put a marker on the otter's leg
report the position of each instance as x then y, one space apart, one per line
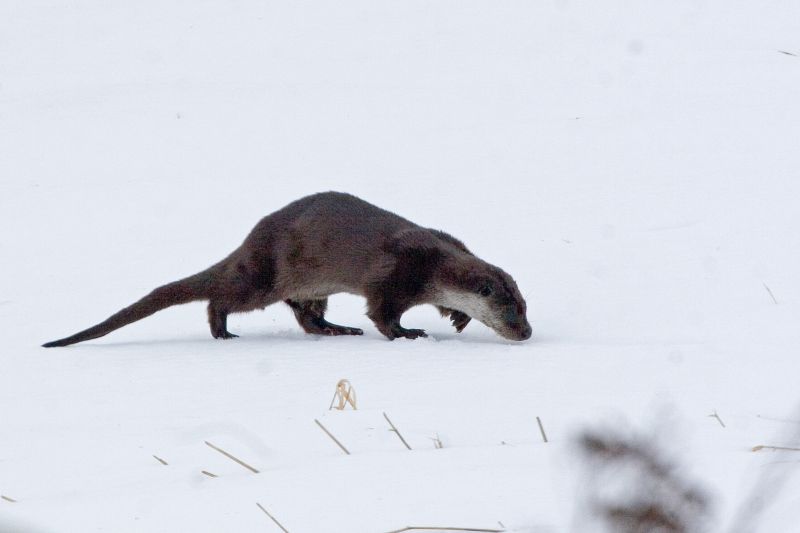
401 279
218 320
386 316
311 316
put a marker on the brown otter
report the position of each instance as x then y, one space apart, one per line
334 242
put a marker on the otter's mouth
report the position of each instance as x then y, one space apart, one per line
516 332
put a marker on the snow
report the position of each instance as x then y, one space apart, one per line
633 165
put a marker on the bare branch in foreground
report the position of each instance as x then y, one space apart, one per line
633 489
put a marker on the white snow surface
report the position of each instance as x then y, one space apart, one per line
634 166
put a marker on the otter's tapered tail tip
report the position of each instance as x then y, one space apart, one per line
54 344
66 341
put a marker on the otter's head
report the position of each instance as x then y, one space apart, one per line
487 294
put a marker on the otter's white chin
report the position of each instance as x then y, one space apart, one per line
473 305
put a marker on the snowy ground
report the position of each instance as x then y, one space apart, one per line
634 165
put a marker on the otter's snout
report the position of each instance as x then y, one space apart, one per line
515 324
520 331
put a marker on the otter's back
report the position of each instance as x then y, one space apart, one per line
326 242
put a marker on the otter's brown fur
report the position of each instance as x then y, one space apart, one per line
334 242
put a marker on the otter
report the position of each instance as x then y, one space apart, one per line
334 242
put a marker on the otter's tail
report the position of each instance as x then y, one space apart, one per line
178 292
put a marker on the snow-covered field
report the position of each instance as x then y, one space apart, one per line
634 165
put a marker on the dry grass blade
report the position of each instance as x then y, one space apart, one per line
439 528
273 518
396 431
345 394
541 428
334 439
715 415
6 498
160 460
774 448
231 457
209 474
770 291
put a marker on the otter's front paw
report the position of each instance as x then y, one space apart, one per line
460 320
399 331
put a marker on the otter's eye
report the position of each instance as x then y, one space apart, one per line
485 291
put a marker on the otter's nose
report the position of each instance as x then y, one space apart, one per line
526 332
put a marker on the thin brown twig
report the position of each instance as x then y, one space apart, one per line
231 457
541 428
333 400
770 293
272 517
328 433
209 474
160 460
715 415
396 431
